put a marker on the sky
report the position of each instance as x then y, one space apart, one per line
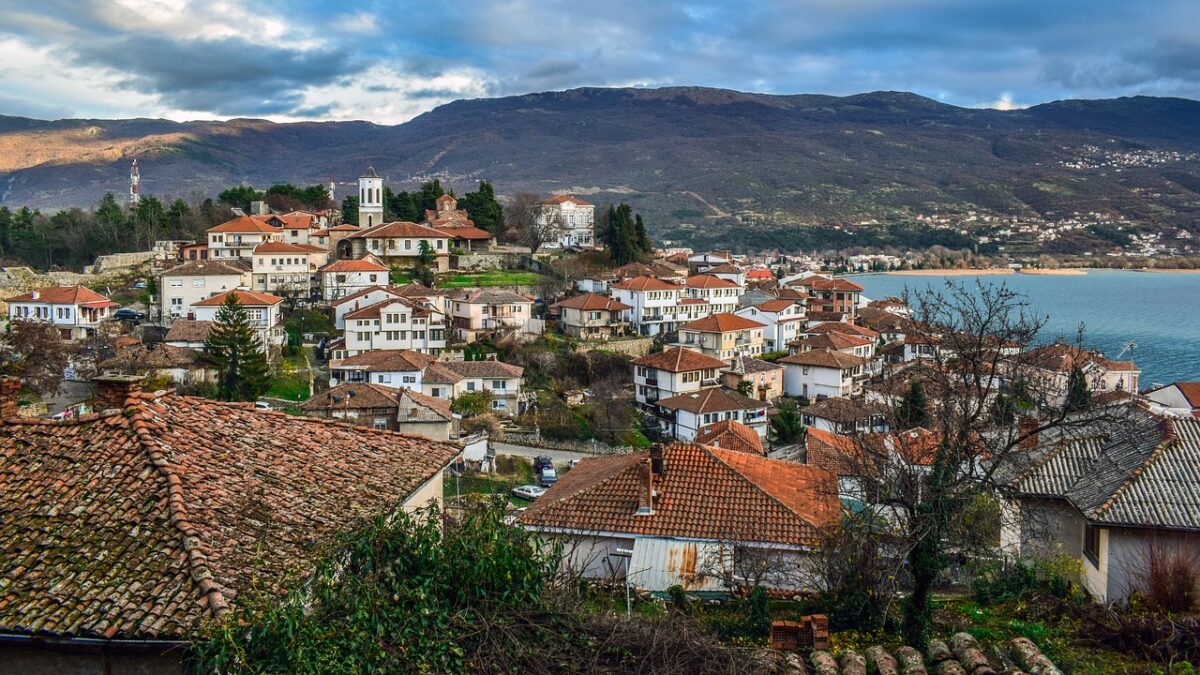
387 62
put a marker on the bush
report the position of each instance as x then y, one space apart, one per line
1053 577
1167 580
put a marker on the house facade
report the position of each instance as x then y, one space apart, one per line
76 311
683 415
262 310
672 372
485 311
183 286
783 321
394 323
286 269
654 303
570 220
823 373
400 243
591 316
723 336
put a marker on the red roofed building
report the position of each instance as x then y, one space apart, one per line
655 303
1053 364
831 294
400 243
1178 399
731 435
591 316
262 309
342 278
671 372
783 321
76 311
723 336
572 221
722 294
823 373
286 269
238 238
688 515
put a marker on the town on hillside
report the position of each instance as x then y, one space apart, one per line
691 430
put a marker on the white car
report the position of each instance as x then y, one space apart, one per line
529 492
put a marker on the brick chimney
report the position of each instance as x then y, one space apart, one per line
656 459
10 392
1028 425
112 390
645 489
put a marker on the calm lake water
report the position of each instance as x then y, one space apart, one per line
1158 311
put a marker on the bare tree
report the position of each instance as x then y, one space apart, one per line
988 402
35 352
523 215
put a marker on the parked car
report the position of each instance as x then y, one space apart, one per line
140 284
549 477
529 492
541 462
128 314
263 405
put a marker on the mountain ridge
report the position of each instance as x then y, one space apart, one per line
781 159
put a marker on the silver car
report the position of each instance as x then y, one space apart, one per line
529 492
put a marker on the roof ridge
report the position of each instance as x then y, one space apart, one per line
600 481
756 486
1168 441
176 506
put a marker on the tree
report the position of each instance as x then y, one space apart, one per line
624 235
522 216
786 426
972 453
149 222
426 197
350 210
240 196
485 211
1079 396
471 403
34 352
233 348
402 206
425 254
913 410
110 226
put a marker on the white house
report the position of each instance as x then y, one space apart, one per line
673 371
591 316
783 321
1053 364
721 294
401 243
262 310
502 381
1181 399
285 269
184 285
388 367
683 415
723 336
76 311
342 278
655 303
823 373
363 298
634 518
395 323
842 416
239 237
477 312
572 220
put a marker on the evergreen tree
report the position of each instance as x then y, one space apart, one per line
641 237
350 210
624 235
913 410
1079 396
235 351
240 196
426 197
425 254
176 213
6 225
403 206
786 426
485 210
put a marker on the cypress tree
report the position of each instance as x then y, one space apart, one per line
1079 397
234 350
913 410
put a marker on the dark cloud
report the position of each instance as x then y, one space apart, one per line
229 76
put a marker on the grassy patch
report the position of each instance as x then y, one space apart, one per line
511 472
491 278
291 379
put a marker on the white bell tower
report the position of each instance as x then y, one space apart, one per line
370 199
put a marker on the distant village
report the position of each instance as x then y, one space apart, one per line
743 387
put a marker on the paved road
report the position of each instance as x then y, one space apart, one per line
503 448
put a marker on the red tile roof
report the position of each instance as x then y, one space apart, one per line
465 232
759 274
834 341
646 283
591 302
731 435
679 360
188 330
562 199
820 283
374 310
842 327
386 360
702 493
142 522
400 228
721 322
1064 358
714 399
391 290
353 266
775 305
709 281
203 268
65 295
824 358
245 298
244 224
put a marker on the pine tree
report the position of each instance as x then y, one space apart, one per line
913 410
485 211
235 351
1079 397
350 210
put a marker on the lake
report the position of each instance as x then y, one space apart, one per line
1160 311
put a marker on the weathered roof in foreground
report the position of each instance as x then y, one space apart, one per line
139 523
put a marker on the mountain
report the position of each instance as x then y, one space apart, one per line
680 154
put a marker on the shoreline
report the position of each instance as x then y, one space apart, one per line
1063 272
951 272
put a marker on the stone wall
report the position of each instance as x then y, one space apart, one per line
592 447
634 347
117 261
479 262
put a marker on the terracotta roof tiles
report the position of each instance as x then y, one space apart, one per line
721 322
731 435
678 360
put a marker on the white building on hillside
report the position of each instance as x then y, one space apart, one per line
573 221
75 311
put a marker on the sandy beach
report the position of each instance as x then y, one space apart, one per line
1166 270
951 273
1072 272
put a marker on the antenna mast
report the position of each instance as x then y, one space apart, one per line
134 180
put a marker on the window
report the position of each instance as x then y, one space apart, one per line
410 379
470 386
379 423
407 244
435 392
197 283
1091 544
177 283
499 384
383 378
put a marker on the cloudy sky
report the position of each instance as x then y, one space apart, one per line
389 61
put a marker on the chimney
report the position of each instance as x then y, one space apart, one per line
10 392
1028 425
112 390
656 459
645 489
